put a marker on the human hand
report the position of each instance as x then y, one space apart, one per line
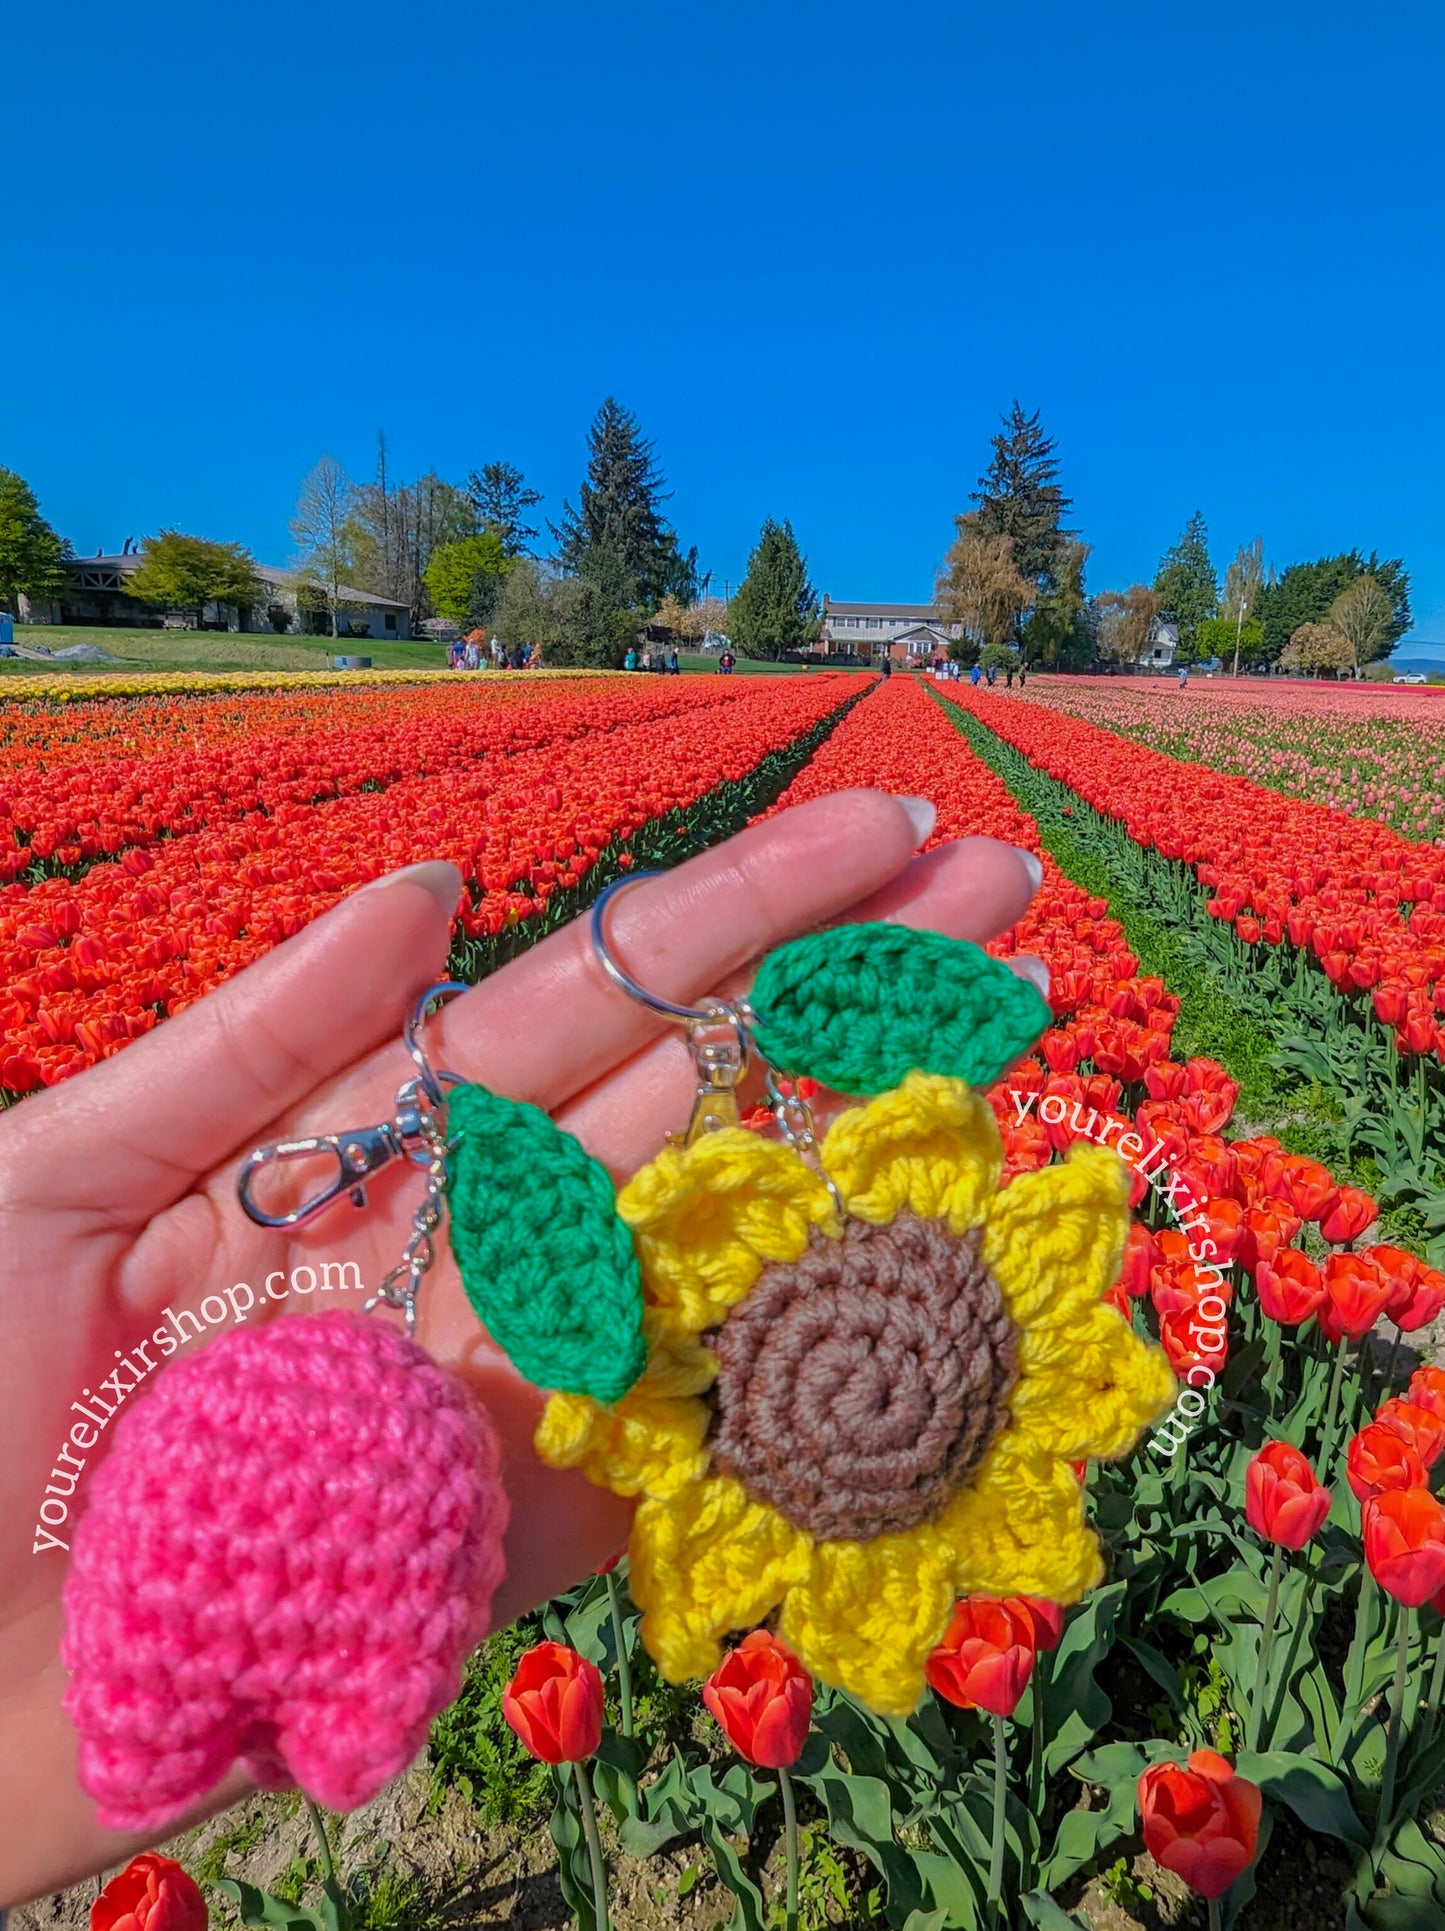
118 1188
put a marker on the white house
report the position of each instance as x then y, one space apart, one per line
867 629
98 593
1158 653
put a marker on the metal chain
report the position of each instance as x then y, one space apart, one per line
419 1254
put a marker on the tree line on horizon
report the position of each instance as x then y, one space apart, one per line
1013 582
465 552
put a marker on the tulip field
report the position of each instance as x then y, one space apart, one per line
1243 916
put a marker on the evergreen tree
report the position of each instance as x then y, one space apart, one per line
31 554
1055 631
501 498
619 513
776 608
1304 593
1019 496
1187 585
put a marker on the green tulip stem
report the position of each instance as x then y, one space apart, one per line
624 1660
328 1868
1355 1662
1215 1920
1000 1793
790 1840
1271 1609
1327 1433
1437 1684
594 1845
1036 1758
1397 1723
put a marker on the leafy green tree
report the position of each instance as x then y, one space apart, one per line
568 621
1304 593
464 579
1054 631
1225 638
180 572
32 556
618 535
1187 586
501 499
1019 496
776 608
998 657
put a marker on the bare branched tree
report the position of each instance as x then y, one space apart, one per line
1126 620
1362 615
324 530
980 586
1243 581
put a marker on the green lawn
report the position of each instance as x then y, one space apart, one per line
746 666
154 650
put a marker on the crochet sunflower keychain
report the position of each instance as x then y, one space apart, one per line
845 1376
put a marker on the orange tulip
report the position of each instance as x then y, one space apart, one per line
1380 1458
1421 1427
1290 1287
1355 1297
1200 1820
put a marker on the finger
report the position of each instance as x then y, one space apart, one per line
140 1128
973 889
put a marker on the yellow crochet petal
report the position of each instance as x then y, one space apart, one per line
931 1146
704 1562
1018 1529
708 1218
652 1438
1055 1238
1088 1388
868 1614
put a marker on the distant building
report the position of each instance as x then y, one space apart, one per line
909 632
1158 653
97 593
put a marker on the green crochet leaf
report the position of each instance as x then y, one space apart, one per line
860 1006
547 1265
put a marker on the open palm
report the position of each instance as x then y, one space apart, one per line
118 1199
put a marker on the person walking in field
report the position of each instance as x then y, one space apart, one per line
1183 675
725 664
974 675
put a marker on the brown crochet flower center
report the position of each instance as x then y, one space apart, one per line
860 1385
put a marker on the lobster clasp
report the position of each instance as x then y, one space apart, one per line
358 1155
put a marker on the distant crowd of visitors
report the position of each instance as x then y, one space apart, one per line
648 659
475 653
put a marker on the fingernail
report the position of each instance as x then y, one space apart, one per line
434 875
924 814
1028 967
1034 867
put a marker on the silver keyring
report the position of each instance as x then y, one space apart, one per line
430 1081
687 1015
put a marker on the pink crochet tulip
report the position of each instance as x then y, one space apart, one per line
287 1556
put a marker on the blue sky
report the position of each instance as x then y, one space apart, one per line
817 249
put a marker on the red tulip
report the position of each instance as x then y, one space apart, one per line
1381 1458
1355 1297
1350 1215
554 1703
987 1653
1200 1820
1283 1499
1426 1389
1405 1544
762 1697
1191 1343
1048 1619
1290 1287
152 1893
1421 1427
1140 1256
1308 1187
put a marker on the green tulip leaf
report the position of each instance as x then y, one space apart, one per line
548 1267
860 1006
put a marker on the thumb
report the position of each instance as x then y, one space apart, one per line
138 1130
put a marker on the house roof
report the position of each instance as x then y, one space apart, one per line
912 613
127 565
